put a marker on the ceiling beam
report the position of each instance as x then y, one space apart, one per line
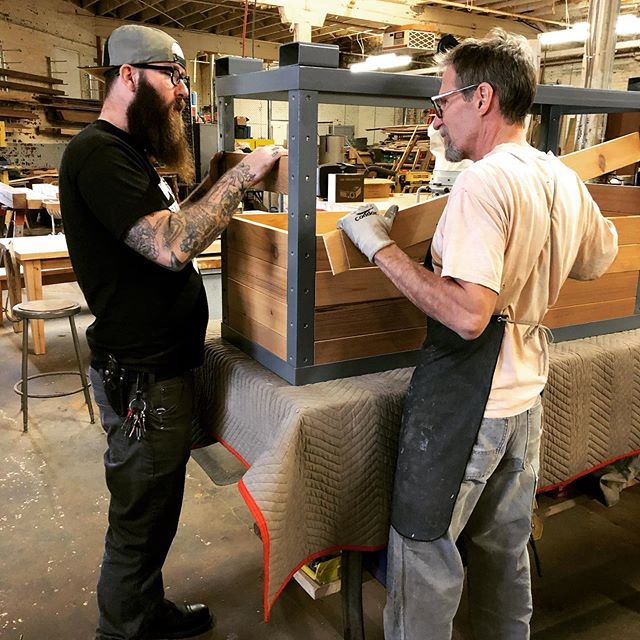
471 24
193 42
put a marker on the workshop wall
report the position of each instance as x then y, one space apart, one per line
362 118
31 31
570 72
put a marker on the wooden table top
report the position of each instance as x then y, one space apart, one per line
38 247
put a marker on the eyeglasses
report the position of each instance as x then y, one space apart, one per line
172 72
436 100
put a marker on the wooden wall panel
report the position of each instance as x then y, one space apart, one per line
628 228
366 318
369 345
258 333
257 274
258 240
355 285
583 313
611 286
258 306
616 200
628 259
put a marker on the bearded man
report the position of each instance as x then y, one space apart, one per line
131 246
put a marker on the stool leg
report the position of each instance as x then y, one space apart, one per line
83 375
25 355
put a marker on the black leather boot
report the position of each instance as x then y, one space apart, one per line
179 621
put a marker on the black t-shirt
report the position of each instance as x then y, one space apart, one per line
147 316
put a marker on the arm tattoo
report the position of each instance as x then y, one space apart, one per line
173 239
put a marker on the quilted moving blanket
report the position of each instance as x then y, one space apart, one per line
320 458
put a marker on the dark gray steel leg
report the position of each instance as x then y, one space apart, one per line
83 375
24 400
351 589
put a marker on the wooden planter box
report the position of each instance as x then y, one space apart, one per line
358 313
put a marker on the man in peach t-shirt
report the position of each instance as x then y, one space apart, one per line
518 223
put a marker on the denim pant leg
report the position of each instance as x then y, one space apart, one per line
496 537
425 579
146 482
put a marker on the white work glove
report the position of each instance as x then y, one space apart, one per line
368 230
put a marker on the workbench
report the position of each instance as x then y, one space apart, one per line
320 458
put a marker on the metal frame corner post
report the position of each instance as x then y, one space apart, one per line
301 259
226 143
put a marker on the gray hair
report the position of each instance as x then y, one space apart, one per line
504 61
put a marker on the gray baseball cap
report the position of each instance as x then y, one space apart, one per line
137 44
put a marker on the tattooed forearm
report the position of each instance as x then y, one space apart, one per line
173 239
142 238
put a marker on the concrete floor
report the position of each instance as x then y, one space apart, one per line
53 517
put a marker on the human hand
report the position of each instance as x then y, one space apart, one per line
368 230
216 168
257 164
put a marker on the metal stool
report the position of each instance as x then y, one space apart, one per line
47 310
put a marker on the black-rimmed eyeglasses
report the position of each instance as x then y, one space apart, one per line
436 100
172 72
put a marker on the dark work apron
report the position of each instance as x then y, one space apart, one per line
442 415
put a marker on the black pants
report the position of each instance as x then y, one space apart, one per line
146 482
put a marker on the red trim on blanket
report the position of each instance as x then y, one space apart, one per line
266 543
568 481
230 449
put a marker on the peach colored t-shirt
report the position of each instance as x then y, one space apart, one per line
497 231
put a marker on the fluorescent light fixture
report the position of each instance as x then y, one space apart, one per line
626 25
383 62
579 32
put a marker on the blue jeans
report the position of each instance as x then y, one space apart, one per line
146 482
493 513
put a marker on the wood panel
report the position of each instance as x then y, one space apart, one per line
628 259
616 200
373 344
417 223
258 239
258 333
257 274
366 318
355 285
580 314
603 158
276 182
411 226
258 306
611 286
628 228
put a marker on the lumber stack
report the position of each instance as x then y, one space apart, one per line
69 115
29 82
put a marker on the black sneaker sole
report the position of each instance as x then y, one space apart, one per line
196 631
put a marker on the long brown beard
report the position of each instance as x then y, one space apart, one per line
159 128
